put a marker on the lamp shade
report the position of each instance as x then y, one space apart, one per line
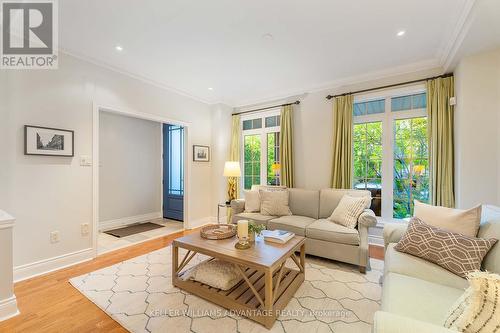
232 169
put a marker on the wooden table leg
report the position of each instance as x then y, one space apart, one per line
269 299
303 257
175 261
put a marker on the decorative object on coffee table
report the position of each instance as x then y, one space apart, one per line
242 243
217 231
254 230
267 286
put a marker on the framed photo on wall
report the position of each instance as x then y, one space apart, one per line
46 141
201 153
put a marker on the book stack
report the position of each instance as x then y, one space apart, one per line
277 236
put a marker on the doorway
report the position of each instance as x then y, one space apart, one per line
173 172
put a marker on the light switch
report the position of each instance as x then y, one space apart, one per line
85 160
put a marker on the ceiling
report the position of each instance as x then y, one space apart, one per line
252 51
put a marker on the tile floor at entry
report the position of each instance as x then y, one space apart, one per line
106 243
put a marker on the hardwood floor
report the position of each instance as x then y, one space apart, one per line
49 303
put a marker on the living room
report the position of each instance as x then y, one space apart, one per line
357 128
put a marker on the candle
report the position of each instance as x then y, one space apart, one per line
242 229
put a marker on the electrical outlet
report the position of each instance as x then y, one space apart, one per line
85 229
54 236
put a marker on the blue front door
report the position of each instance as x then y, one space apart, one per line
173 172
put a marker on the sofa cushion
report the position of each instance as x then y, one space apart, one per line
457 253
491 229
274 203
252 201
294 223
418 299
332 232
304 202
406 264
465 222
348 210
256 217
329 199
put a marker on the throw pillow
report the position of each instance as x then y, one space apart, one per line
465 222
274 203
478 309
252 201
457 253
348 210
215 273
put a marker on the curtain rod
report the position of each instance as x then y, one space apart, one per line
267 108
390 85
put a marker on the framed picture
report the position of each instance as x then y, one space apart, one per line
201 153
48 141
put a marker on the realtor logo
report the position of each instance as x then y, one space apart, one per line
29 34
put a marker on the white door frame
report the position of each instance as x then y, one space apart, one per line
97 108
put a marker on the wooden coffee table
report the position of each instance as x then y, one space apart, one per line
266 286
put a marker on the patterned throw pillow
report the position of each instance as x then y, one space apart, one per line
274 203
478 309
455 252
348 210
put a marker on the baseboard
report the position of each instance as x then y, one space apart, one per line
27 271
8 308
112 224
201 222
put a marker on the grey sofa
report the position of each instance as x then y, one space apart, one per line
310 210
417 294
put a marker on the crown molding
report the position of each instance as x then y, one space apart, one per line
391 72
447 53
141 78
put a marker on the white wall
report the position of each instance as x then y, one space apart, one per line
221 138
129 167
46 194
477 135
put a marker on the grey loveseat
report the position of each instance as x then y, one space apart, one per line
417 294
310 210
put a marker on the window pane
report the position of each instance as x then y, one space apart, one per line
273 163
272 121
371 107
411 165
257 123
247 125
251 161
175 152
410 102
367 159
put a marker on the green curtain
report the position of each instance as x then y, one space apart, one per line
440 135
234 155
342 142
286 146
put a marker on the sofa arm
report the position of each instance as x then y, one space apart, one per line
367 219
393 231
385 322
237 206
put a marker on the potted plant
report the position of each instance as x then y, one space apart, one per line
254 229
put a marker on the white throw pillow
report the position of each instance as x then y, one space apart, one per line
252 201
478 309
348 210
465 222
274 203
215 273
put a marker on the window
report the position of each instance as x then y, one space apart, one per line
261 147
367 159
175 140
390 153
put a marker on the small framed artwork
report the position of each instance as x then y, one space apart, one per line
48 141
201 153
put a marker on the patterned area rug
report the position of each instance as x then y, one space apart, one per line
139 295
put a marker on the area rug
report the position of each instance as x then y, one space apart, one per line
139 295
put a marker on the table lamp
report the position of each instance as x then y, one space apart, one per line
232 172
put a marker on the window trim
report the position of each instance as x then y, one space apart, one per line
387 118
263 131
